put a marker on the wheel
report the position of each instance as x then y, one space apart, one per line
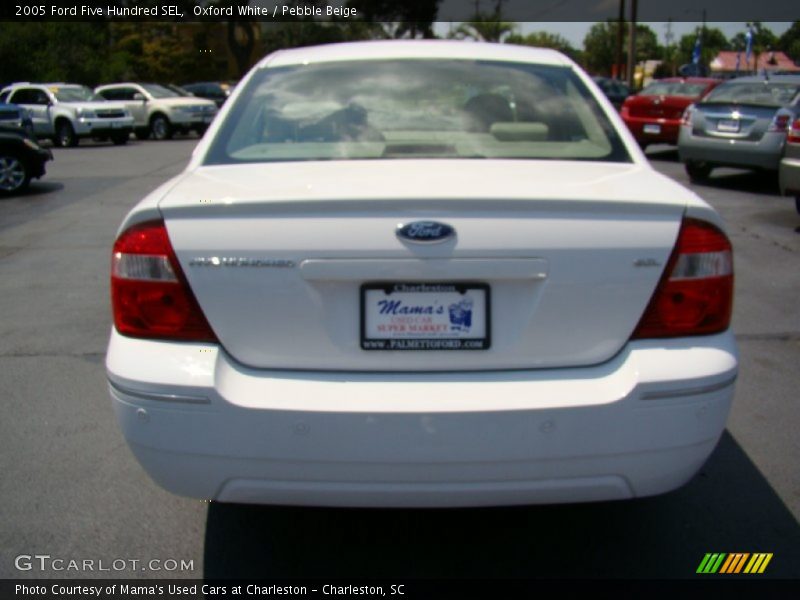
120 139
698 171
161 127
65 135
142 134
797 203
14 174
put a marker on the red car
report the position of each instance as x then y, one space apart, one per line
654 114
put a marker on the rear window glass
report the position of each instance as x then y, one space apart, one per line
391 109
757 93
674 88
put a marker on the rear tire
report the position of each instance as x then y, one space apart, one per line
65 135
161 128
14 173
797 203
698 171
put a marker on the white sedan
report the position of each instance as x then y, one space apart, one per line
420 274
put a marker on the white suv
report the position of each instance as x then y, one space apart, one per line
67 112
159 111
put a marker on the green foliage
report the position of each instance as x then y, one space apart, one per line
400 18
713 41
600 44
545 39
763 38
789 42
484 28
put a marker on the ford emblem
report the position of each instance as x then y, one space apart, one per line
425 232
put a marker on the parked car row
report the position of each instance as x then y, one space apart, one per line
159 111
654 114
747 122
67 113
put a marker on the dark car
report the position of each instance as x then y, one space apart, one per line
178 90
615 90
21 159
218 91
654 114
12 115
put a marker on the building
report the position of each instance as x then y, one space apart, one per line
732 64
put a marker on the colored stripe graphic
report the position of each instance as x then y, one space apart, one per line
711 563
758 563
734 563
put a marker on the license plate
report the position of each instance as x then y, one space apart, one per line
115 125
728 125
651 128
425 316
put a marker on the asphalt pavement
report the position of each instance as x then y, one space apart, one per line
71 489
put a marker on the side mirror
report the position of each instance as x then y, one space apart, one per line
140 97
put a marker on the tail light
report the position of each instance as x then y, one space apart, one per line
794 133
686 119
695 294
780 122
150 296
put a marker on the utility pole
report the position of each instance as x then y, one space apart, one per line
618 54
632 45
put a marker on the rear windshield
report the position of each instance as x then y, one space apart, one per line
415 109
757 93
674 88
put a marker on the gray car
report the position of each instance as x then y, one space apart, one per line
790 165
741 123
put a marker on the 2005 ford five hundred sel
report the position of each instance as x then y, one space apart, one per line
420 274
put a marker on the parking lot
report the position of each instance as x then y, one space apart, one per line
71 488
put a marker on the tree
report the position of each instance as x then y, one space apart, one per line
544 39
789 42
599 45
713 41
402 19
763 38
484 28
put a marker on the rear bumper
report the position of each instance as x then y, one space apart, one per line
719 151
206 427
667 134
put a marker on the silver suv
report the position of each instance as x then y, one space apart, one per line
66 112
160 111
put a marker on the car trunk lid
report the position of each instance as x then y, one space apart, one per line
732 121
281 256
